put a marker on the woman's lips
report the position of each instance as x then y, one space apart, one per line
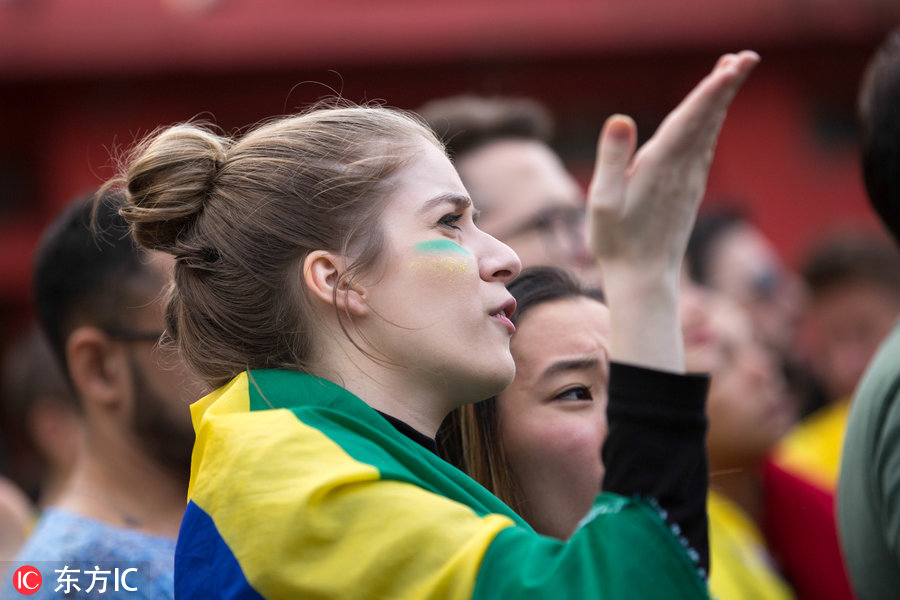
501 316
504 312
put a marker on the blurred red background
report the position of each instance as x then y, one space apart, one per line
81 78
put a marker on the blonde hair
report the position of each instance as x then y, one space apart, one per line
241 214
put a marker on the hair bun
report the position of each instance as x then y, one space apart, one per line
171 177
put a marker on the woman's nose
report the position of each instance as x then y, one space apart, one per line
497 261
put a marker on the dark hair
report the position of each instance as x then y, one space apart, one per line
879 114
537 285
82 275
470 437
850 258
710 226
465 123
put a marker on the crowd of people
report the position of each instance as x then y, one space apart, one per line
365 353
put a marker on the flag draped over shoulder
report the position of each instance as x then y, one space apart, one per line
301 490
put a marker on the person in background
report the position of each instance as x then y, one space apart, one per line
797 522
537 445
727 253
526 197
748 412
730 255
868 494
41 407
854 284
99 300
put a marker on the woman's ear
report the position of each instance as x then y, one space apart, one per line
322 273
98 371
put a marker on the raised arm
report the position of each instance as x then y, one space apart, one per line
641 208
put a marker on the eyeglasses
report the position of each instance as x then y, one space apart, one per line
132 335
766 282
560 226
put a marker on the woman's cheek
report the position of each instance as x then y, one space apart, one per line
558 440
441 267
442 262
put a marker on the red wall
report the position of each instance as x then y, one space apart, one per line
787 149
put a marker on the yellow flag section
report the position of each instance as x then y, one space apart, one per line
812 449
741 568
300 490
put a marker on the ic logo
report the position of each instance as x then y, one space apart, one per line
27 580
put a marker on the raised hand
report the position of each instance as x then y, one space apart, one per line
642 207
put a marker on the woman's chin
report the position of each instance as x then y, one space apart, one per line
503 378
489 383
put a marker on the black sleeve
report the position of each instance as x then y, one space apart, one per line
656 446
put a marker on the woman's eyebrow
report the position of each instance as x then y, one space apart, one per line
460 202
573 364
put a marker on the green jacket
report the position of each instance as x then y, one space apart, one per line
868 502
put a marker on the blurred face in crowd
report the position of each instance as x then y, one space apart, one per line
439 292
529 201
747 405
850 320
162 387
702 342
745 267
553 416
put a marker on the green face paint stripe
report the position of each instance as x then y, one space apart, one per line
441 247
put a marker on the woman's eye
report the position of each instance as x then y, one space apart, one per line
575 393
450 220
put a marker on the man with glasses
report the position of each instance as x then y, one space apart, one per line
526 197
100 302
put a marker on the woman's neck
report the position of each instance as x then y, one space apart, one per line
390 390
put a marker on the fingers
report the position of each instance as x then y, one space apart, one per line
728 76
695 123
725 60
717 89
614 151
664 183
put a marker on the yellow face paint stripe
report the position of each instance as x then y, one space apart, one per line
442 265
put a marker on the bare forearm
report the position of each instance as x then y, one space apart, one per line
645 328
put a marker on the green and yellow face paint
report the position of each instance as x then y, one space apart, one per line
441 257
